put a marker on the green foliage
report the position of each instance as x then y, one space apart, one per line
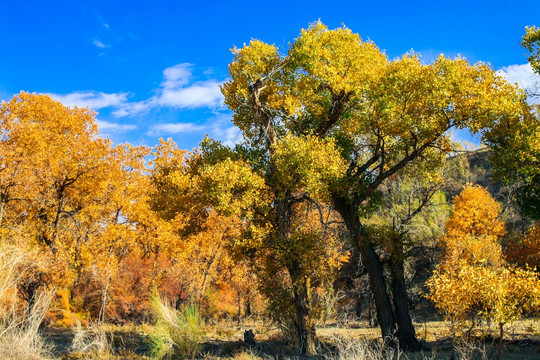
176 333
528 198
531 42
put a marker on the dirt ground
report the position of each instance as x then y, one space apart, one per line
224 340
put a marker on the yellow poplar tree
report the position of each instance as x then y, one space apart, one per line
382 116
473 279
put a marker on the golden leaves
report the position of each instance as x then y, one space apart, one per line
307 165
69 191
473 279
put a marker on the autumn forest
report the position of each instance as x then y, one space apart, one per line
346 205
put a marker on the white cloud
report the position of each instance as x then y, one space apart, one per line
101 45
133 108
201 94
218 127
523 75
93 99
223 130
174 128
176 91
110 127
229 136
176 76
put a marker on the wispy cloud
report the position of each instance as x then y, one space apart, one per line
176 76
93 99
110 127
178 91
222 128
174 128
100 45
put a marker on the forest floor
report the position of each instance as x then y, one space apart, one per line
352 340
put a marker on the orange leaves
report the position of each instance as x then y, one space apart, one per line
474 229
70 192
525 251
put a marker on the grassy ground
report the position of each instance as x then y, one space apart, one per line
224 340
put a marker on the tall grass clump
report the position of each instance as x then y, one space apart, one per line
19 326
177 333
93 342
349 349
19 332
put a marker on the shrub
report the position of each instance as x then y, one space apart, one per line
176 333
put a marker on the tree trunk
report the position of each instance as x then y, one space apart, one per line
101 316
385 313
247 307
501 333
373 265
304 322
405 333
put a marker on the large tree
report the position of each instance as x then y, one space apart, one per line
381 115
65 192
271 201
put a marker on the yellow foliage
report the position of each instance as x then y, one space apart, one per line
473 279
307 165
475 212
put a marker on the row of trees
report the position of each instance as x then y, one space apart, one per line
334 133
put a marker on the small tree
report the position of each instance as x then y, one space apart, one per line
473 279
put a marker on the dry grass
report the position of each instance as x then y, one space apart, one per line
19 333
19 328
347 349
94 342
224 341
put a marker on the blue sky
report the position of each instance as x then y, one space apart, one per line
153 70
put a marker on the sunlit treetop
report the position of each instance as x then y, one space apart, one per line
383 114
531 43
475 212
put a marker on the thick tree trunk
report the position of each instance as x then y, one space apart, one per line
385 313
405 333
304 322
374 267
305 325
